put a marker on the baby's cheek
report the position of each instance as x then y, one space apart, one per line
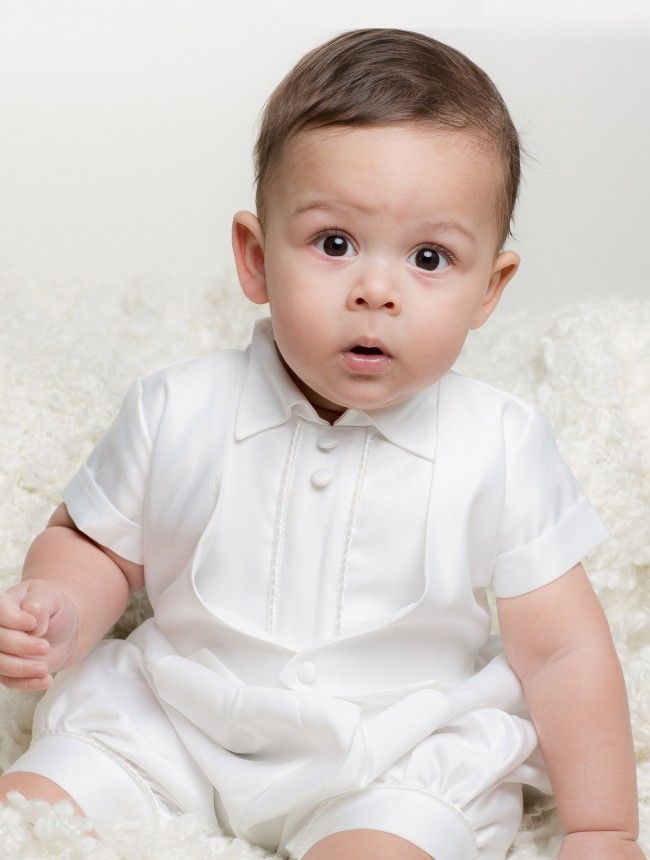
439 354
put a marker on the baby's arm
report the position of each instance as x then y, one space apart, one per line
558 642
96 581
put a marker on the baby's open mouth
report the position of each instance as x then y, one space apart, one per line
367 350
366 360
369 346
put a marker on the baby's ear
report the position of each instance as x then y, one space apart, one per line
248 248
505 266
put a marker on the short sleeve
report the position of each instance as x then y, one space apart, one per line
105 496
548 523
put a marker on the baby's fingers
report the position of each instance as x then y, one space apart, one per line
22 644
16 668
41 683
11 615
42 601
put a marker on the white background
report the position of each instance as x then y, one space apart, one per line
127 129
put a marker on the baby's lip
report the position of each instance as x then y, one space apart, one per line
368 342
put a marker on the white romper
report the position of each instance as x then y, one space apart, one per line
320 655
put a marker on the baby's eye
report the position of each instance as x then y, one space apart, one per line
334 244
430 257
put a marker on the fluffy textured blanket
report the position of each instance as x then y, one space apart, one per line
69 351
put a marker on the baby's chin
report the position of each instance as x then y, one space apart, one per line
365 400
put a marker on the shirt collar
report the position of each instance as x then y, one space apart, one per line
269 397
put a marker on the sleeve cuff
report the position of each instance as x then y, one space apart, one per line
528 567
96 517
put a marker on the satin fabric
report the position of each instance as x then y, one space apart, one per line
279 719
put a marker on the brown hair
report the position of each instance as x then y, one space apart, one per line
380 76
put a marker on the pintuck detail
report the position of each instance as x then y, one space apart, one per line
280 525
340 591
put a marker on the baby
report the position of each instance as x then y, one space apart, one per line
316 520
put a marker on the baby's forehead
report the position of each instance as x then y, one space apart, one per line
332 156
398 171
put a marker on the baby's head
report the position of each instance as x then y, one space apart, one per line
387 171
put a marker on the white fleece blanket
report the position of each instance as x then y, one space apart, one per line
69 351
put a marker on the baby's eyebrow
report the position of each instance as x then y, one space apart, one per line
329 204
449 226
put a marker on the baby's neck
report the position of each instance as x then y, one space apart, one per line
328 414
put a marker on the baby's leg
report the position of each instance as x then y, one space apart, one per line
101 737
33 786
351 844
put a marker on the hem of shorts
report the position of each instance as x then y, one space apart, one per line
433 823
135 787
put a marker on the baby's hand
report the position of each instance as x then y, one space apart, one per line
38 632
599 845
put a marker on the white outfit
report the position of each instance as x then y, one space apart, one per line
320 654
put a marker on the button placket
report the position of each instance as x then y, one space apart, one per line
327 442
322 477
307 672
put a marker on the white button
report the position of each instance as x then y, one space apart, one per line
307 672
326 443
321 477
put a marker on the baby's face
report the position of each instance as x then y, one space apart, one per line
382 235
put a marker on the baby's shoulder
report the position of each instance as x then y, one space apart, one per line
189 386
196 368
483 408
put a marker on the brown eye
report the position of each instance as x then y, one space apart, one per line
334 244
430 259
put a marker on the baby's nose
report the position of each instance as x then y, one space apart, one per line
375 292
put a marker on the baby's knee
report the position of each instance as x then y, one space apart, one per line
351 844
33 786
